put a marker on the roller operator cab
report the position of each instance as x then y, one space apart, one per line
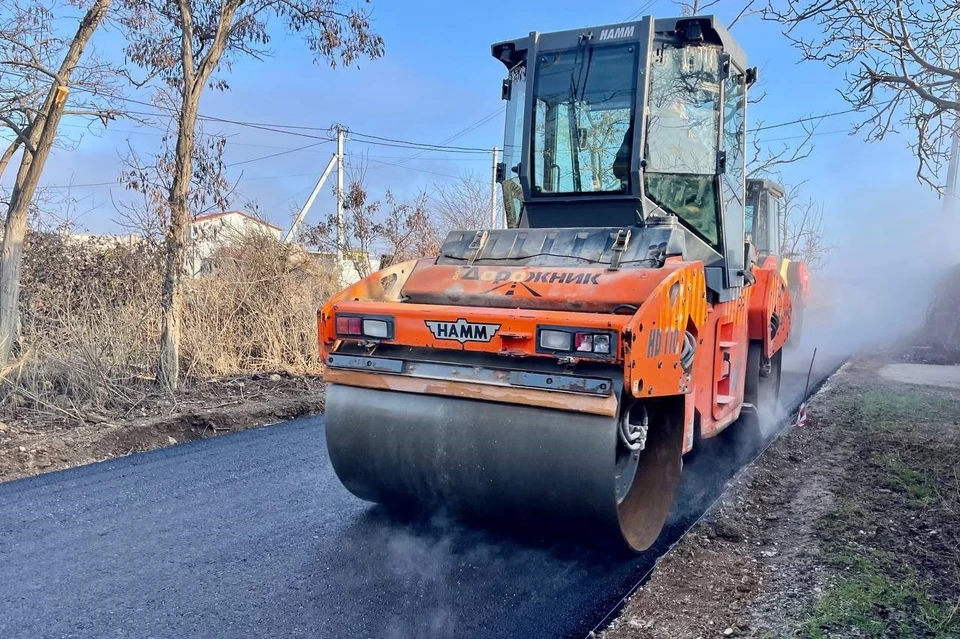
560 368
764 219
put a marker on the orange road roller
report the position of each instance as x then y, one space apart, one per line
559 369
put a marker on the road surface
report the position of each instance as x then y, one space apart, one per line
251 535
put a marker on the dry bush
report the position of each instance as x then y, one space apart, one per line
256 311
90 320
88 323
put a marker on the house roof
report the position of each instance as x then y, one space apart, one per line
213 216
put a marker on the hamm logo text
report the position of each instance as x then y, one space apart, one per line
463 331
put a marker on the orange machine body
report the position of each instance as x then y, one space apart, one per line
796 275
648 312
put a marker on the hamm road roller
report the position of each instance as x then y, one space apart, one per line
763 225
559 369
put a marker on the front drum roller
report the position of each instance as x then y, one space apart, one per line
498 461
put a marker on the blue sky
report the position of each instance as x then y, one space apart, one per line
438 78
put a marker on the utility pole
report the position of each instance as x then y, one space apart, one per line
313 195
493 191
340 238
950 198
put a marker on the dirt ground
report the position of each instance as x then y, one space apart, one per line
848 526
33 442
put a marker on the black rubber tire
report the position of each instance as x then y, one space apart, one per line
763 391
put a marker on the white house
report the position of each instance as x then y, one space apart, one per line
208 233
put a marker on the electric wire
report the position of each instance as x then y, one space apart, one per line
377 140
423 147
638 12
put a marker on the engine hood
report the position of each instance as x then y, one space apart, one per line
587 270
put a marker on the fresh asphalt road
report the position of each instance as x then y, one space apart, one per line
252 535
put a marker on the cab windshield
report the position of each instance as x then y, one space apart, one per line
682 136
763 221
584 105
755 221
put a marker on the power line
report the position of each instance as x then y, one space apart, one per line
282 177
409 168
76 186
639 11
466 149
291 129
380 159
233 164
473 127
461 133
298 130
464 158
273 155
815 117
156 133
797 137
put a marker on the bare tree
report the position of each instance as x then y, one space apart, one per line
39 70
353 240
31 52
184 43
395 230
901 61
463 204
150 177
409 231
801 221
54 211
801 229
766 158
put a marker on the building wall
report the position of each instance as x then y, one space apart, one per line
206 236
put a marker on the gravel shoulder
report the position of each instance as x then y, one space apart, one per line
848 526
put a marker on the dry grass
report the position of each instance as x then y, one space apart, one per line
256 313
90 322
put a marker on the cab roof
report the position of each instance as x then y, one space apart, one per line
511 52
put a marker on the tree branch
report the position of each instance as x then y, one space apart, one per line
186 43
213 55
5 158
744 12
909 83
22 136
30 65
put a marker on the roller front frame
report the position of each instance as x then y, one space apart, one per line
498 427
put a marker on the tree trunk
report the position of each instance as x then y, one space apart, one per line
42 135
176 244
194 79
